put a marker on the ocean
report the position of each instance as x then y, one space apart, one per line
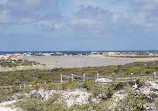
77 52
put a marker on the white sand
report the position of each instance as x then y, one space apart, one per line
75 97
69 97
83 61
3 106
77 61
103 80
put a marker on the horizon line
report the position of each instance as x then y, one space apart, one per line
75 50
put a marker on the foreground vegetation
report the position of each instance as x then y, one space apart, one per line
105 93
53 75
131 101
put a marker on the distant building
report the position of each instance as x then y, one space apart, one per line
46 54
4 57
70 55
93 52
1 57
151 54
111 54
79 54
57 54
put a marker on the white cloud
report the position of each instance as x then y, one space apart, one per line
83 21
92 14
147 4
145 1
115 17
3 1
5 17
29 5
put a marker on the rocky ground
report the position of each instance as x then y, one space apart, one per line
70 97
81 97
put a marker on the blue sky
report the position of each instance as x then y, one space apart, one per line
78 25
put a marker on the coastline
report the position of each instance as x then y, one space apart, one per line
52 62
83 61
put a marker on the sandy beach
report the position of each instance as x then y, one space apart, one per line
82 61
75 62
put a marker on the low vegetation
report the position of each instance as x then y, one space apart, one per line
104 92
53 75
34 104
56 103
14 63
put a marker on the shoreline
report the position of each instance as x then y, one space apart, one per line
52 62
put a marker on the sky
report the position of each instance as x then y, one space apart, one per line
48 25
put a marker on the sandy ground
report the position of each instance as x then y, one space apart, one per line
3 106
82 61
76 62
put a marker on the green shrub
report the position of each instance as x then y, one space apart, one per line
52 99
133 102
139 82
26 90
30 104
135 70
53 75
95 88
74 85
152 97
5 84
55 107
84 84
15 89
119 86
4 94
109 93
64 85
57 86
102 106
37 86
149 71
